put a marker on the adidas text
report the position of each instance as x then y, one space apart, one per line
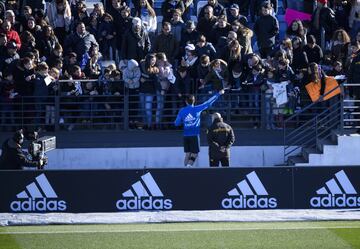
335 201
249 202
41 204
145 203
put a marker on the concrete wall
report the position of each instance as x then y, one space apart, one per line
347 152
171 157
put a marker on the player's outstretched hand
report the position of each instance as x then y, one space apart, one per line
222 91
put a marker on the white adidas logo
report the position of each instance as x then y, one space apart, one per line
144 194
189 118
336 193
245 195
35 197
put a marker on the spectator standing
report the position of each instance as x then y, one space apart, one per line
80 41
59 15
168 7
206 23
220 138
313 51
148 17
136 43
266 29
165 43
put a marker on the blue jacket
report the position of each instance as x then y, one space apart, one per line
190 116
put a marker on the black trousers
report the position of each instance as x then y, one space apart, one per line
214 162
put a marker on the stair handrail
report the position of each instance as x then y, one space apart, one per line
315 116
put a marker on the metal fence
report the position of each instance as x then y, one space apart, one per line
129 109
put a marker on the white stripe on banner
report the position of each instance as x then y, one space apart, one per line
245 188
139 189
345 182
152 186
233 192
22 195
322 191
46 187
34 191
333 187
256 183
128 193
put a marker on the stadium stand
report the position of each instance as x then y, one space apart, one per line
57 75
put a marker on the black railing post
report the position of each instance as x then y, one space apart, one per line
284 139
263 111
126 110
342 94
316 130
57 113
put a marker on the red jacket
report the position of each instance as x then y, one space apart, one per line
13 35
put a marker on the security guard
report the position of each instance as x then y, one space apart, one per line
220 138
12 156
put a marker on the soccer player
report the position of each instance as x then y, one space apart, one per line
190 117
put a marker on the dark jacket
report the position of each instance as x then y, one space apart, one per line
314 54
205 26
167 9
166 44
300 59
216 82
220 134
135 46
266 28
13 158
79 45
208 50
354 74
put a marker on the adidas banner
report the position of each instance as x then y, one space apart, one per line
179 189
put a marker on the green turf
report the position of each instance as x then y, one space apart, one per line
186 235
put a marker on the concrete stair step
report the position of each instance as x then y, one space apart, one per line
293 160
321 142
307 151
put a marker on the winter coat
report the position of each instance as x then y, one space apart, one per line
135 46
167 9
166 44
13 158
217 82
13 35
79 45
132 72
52 15
220 135
314 54
266 28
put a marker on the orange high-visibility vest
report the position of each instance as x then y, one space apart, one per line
313 89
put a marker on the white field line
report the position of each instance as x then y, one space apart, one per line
180 230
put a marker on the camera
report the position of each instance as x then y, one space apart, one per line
40 146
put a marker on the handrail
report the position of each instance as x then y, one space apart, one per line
312 104
303 134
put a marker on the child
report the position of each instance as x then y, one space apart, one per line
131 76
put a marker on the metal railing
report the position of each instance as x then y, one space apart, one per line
135 110
326 116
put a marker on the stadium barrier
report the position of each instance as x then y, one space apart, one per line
61 111
180 189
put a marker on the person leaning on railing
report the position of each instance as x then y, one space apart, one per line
354 71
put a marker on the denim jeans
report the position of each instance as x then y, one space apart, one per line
160 100
146 102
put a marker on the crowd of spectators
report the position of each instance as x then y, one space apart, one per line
233 45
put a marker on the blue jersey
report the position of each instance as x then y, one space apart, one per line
190 116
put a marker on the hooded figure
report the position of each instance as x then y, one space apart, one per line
131 74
